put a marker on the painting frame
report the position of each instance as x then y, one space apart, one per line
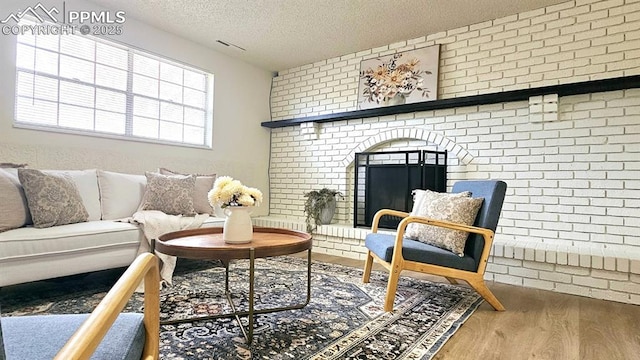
401 78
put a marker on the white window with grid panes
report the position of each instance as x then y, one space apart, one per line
79 83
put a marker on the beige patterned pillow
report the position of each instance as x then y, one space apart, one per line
458 208
14 211
53 198
204 183
171 194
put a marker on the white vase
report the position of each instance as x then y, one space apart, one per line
398 99
238 228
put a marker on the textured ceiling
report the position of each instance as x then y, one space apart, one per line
281 34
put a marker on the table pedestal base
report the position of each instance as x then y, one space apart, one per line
248 334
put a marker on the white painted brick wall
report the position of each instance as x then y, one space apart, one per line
560 44
573 182
574 193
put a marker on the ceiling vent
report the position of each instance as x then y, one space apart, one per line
230 45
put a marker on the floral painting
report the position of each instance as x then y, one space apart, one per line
402 78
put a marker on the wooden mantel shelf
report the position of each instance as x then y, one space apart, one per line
586 87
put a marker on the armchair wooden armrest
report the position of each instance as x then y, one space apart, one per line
382 212
87 338
487 234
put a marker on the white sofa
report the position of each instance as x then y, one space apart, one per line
29 254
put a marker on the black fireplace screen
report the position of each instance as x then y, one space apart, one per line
384 180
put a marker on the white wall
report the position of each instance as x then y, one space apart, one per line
241 102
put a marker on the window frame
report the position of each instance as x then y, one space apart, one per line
129 94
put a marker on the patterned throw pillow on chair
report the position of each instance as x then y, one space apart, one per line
458 208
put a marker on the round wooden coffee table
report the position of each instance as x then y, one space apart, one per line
207 243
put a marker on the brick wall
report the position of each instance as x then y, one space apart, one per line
571 220
570 42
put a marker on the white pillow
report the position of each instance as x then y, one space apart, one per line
14 211
87 183
12 171
120 194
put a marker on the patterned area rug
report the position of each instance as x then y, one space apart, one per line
344 319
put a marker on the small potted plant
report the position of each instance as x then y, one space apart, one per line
319 207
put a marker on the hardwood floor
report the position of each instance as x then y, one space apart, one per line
538 324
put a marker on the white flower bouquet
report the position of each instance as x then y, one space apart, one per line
229 192
393 78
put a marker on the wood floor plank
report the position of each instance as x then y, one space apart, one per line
538 324
609 330
553 333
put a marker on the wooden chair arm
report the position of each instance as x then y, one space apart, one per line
86 339
443 223
487 234
382 212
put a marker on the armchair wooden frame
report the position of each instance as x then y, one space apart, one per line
86 339
398 263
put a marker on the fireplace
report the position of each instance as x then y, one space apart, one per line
385 180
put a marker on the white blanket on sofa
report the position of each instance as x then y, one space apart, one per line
155 223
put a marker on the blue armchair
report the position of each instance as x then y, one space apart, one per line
397 253
104 334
